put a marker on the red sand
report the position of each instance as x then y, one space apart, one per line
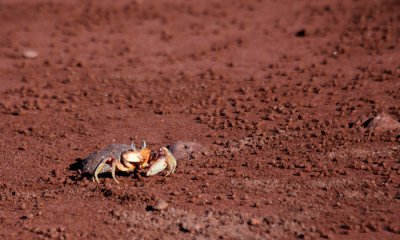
278 91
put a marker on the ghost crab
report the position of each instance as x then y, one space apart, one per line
127 158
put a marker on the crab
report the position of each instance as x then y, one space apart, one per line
127 158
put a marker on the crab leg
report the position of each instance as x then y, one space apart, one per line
171 161
98 169
167 160
113 167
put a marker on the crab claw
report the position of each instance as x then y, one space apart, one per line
165 160
130 156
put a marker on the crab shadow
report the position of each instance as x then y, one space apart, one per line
77 165
76 169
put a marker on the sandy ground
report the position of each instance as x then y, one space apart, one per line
297 103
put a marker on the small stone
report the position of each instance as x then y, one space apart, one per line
160 205
116 213
30 54
36 230
270 117
255 221
27 216
184 227
190 226
206 153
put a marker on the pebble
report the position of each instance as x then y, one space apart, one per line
27 216
160 205
30 54
189 226
255 221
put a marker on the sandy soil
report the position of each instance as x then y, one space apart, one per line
297 103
